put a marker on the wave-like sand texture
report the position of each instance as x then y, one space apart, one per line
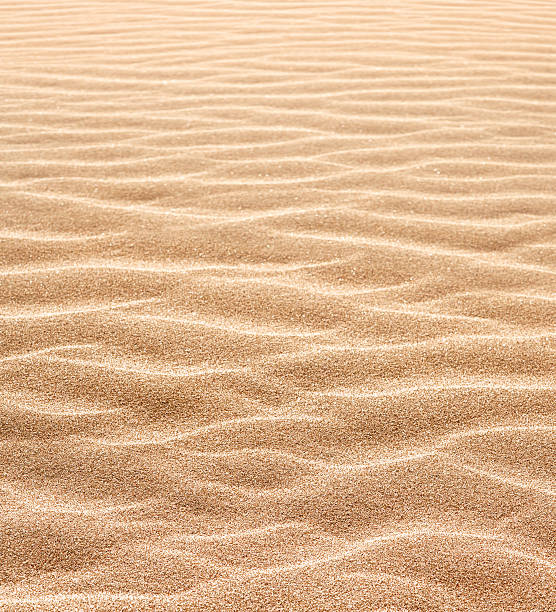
277 305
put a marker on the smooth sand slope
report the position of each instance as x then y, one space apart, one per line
278 305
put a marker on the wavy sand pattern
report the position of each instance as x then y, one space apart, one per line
277 305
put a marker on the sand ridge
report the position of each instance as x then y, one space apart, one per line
277 305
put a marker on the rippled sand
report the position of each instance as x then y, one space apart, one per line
277 305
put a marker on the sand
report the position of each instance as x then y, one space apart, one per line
278 305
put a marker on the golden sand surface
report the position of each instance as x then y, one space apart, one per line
277 305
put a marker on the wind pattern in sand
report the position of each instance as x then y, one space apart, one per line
277 305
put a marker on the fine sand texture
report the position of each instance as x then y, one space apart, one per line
278 305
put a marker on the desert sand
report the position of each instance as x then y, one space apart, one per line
278 305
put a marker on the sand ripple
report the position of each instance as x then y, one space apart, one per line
277 305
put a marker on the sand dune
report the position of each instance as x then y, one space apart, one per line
278 305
